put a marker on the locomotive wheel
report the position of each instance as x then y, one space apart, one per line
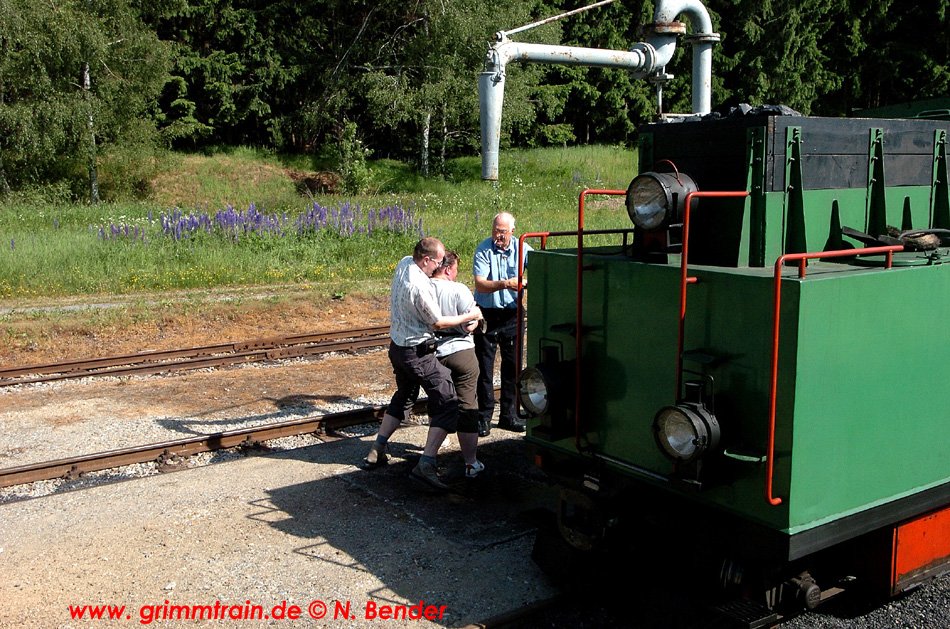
565 565
580 521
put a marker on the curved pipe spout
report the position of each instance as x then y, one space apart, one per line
491 82
643 58
491 95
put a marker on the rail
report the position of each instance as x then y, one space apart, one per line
801 258
272 348
73 467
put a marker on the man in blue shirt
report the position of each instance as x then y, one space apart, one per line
495 268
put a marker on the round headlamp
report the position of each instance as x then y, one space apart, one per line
655 200
533 389
685 432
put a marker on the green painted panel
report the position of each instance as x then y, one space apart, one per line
630 355
629 348
863 366
872 382
851 207
631 314
551 302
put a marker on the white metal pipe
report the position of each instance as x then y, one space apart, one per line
666 11
702 77
638 59
643 58
491 95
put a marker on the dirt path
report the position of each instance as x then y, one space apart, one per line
55 330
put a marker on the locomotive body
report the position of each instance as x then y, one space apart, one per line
755 380
779 394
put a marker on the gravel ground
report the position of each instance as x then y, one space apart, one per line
298 526
927 607
470 549
48 421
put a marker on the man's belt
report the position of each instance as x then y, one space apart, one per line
500 314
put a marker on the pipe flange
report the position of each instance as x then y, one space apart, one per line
703 37
649 56
666 28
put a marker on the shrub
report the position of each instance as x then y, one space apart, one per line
353 168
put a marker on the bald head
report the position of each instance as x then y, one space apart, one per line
503 227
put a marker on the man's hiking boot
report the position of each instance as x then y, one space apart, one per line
377 456
427 473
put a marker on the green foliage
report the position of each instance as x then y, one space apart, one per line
250 72
178 120
830 58
56 250
198 74
127 169
774 46
419 83
606 104
888 52
47 118
353 169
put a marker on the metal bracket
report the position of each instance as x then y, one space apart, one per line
754 223
794 228
940 187
876 207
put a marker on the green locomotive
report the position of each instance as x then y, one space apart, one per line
779 400
756 372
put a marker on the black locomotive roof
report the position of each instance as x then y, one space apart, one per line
714 149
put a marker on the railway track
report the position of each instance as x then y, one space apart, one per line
143 363
74 467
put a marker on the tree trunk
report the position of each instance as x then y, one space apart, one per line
440 167
93 172
424 156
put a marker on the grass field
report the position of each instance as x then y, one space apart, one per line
236 219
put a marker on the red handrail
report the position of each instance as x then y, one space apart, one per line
684 279
773 386
578 334
520 305
579 330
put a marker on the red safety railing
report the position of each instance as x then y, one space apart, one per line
773 386
578 333
685 279
519 339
